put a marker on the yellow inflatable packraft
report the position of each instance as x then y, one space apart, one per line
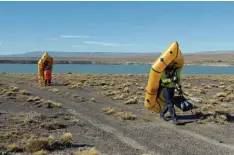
154 100
45 57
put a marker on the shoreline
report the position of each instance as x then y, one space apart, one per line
114 63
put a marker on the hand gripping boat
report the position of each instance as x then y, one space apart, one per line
45 57
154 99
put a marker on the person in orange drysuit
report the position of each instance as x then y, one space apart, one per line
47 74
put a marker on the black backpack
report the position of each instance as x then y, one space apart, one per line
182 103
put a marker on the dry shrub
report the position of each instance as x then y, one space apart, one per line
226 99
54 90
213 102
119 97
24 92
53 125
201 91
37 145
41 152
93 99
111 93
207 87
9 93
109 111
224 105
221 83
216 118
14 89
207 107
214 86
89 151
126 90
13 148
33 99
66 138
222 87
132 101
126 115
221 94
52 104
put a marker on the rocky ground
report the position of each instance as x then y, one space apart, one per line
104 114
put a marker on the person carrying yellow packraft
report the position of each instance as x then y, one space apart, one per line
170 80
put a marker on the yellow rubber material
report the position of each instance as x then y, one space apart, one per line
154 99
45 57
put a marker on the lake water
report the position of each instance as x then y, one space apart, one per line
111 69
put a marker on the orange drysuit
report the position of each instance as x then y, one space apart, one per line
47 75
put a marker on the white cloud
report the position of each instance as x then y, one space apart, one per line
76 46
106 43
101 43
52 39
72 36
128 44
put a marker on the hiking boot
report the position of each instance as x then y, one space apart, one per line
176 122
162 117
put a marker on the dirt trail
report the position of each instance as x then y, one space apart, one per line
130 137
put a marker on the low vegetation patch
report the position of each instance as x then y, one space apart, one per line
33 99
109 111
54 90
41 152
88 151
217 117
93 99
41 146
14 148
53 125
132 101
126 115
52 104
66 138
119 113
24 92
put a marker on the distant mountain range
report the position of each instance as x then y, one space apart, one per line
101 54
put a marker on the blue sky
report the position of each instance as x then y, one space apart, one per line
115 26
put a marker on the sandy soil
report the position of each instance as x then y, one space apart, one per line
106 112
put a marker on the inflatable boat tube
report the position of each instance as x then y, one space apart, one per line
154 100
45 57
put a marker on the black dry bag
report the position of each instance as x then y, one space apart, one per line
181 103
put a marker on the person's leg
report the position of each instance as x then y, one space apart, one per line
49 82
165 108
170 105
45 82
